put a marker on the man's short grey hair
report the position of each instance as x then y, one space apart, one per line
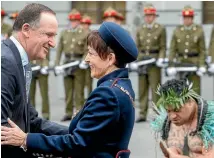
31 15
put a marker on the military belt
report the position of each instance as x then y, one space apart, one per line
150 51
185 55
73 55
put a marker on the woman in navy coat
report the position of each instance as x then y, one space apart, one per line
104 125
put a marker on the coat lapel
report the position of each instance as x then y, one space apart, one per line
16 53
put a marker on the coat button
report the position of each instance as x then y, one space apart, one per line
186 50
187 36
186 43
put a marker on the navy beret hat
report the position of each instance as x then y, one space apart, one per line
119 40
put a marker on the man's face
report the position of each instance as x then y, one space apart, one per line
149 18
187 20
74 23
110 19
183 115
119 22
42 38
85 26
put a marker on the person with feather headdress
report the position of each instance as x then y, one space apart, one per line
184 120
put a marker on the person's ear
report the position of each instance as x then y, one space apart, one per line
26 30
112 58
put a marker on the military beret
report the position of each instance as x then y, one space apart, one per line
3 13
86 19
188 11
13 15
119 41
74 15
149 9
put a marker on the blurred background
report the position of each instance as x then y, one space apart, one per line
143 142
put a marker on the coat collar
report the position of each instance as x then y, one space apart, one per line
120 73
14 50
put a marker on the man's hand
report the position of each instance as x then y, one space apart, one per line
201 71
12 136
171 71
44 70
58 70
83 65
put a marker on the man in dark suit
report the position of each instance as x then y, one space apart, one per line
33 34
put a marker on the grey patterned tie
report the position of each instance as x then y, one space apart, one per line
28 77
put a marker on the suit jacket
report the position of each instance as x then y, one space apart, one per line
101 128
14 104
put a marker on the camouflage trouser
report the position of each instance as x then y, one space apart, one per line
147 81
43 84
74 91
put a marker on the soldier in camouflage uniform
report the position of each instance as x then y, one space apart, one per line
42 77
86 22
151 43
211 52
188 47
6 29
72 43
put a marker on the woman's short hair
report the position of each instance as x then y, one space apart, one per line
98 44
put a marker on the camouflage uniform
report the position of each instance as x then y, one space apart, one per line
151 43
43 84
188 46
86 20
72 43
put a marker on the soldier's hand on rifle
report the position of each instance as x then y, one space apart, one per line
211 68
201 71
159 62
83 65
208 59
44 70
58 70
133 66
171 71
